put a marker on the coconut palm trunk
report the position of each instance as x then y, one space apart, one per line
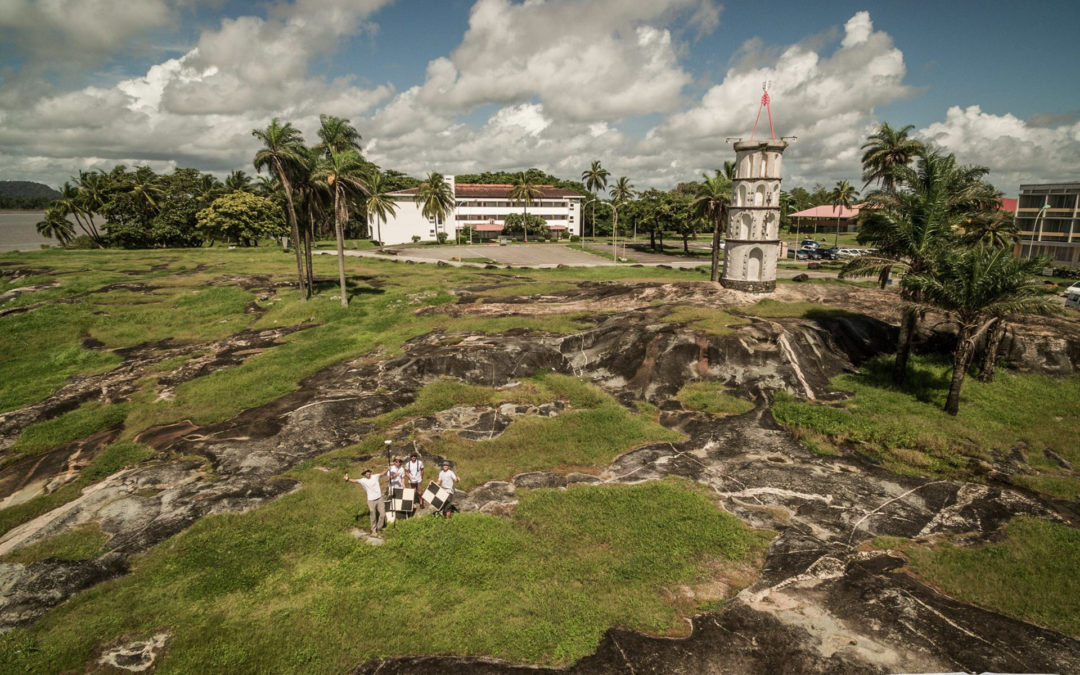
339 230
908 320
961 359
714 273
309 237
287 187
994 336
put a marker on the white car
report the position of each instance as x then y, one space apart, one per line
1073 290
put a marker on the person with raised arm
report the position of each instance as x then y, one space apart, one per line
376 508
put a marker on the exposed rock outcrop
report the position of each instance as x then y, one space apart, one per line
822 603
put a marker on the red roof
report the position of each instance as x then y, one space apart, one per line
487 227
827 211
493 190
1008 204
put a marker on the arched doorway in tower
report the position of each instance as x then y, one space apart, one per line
753 265
745 221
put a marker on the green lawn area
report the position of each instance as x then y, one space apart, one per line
1031 574
906 429
776 309
711 397
706 319
286 588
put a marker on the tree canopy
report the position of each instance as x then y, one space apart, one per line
242 218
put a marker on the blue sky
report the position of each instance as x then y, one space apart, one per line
650 88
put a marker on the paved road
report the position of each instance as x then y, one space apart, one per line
548 256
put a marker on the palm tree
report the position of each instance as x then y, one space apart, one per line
238 181
621 193
595 179
977 287
711 203
145 188
72 202
525 192
380 205
337 134
909 227
843 196
884 152
729 170
56 226
283 150
435 199
343 175
993 228
312 194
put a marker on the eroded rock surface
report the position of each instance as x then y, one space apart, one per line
822 603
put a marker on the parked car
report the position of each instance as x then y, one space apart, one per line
797 253
812 253
847 252
809 243
1072 296
831 253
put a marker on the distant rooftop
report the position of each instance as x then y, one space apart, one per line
493 190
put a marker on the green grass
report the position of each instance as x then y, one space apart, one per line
907 430
808 310
711 397
586 437
535 288
83 542
711 321
1030 575
285 588
87 419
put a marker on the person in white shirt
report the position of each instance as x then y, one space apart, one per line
414 474
447 478
376 508
396 472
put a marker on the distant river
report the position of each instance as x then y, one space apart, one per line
18 231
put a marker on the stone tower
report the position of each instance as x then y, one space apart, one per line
753 227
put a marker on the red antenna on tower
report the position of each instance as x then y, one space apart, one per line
764 104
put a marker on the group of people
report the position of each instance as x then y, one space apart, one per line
400 475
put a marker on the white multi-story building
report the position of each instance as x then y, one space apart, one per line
484 208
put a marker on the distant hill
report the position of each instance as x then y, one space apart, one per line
24 194
25 188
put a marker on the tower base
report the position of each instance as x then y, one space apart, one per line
749 286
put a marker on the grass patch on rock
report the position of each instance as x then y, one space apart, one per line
592 432
711 397
112 459
83 542
87 419
533 288
711 321
1031 574
907 430
274 589
775 309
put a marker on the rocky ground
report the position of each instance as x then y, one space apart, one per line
824 602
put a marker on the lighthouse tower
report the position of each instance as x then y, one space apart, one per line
752 235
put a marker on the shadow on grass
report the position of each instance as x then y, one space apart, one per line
353 286
927 380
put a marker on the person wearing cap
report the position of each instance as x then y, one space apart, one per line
414 474
397 475
376 508
447 478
